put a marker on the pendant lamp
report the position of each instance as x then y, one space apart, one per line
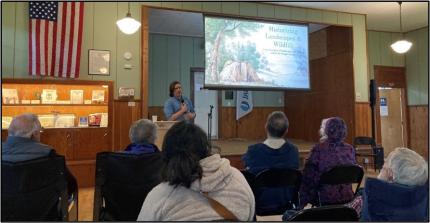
401 46
128 25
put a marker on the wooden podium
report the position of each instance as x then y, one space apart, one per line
162 128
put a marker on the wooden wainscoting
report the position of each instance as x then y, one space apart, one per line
124 115
419 134
363 119
250 126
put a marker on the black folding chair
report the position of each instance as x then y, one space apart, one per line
343 174
377 151
276 190
122 183
34 190
326 213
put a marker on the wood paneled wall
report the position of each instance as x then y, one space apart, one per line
332 89
419 129
363 119
125 113
250 126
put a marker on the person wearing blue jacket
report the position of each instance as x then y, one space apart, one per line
274 152
142 135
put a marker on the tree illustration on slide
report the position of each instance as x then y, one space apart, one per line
216 30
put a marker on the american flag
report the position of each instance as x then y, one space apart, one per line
55 40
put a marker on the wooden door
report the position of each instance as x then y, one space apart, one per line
392 116
391 77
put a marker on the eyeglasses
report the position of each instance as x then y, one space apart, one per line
178 88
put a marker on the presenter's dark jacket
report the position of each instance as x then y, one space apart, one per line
260 157
17 149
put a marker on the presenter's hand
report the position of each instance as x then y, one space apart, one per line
184 108
190 116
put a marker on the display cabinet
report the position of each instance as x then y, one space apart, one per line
76 116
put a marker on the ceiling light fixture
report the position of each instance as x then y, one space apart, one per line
128 25
401 46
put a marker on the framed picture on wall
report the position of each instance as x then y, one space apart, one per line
98 62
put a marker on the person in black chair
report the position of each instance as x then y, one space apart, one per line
196 185
142 135
23 143
400 192
330 152
274 153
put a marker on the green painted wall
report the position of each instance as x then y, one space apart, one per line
417 65
100 32
380 52
415 61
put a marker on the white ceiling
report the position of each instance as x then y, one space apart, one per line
381 16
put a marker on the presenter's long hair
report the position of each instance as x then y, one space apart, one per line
185 144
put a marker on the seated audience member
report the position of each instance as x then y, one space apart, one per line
23 143
142 136
275 151
331 151
190 173
401 193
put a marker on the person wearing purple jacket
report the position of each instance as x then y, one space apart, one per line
142 136
331 151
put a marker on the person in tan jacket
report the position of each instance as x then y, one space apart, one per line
191 170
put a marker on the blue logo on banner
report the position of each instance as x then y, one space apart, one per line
244 105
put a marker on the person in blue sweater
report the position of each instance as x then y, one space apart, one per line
142 135
274 152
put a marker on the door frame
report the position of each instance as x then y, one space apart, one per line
219 95
394 77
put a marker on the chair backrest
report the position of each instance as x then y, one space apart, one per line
326 213
384 201
377 150
342 174
278 178
122 182
31 190
364 140
276 190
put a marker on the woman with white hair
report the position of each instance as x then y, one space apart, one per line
404 166
142 135
401 191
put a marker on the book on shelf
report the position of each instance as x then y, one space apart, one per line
65 121
76 96
10 96
94 119
98 96
83 121
49 96
5 122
